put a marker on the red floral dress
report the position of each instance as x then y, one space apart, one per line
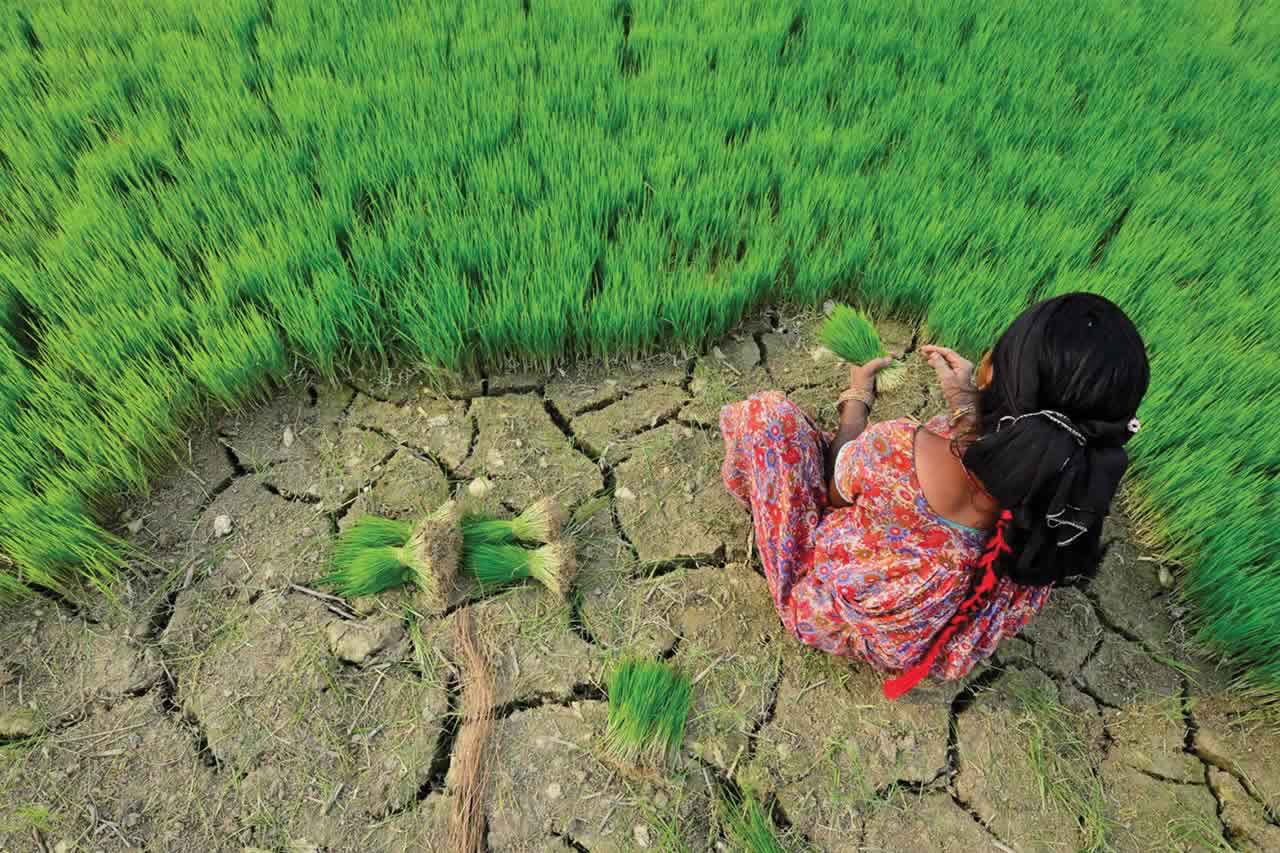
876 580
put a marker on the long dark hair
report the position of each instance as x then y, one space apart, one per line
1067 378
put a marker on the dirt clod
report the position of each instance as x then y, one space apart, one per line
358 642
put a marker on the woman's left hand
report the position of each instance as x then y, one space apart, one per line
862 377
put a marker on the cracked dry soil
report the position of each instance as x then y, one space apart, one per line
217 704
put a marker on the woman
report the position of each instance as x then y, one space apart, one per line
917 548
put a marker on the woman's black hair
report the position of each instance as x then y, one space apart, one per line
1067 378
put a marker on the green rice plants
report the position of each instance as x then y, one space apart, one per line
852 336
369 531
746 825
648 708
171 249
496 565
540 522
375 555
370 571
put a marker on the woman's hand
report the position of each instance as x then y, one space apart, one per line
955 374
862 377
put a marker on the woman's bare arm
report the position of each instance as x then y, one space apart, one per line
853 420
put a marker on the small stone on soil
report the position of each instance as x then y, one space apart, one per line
222 525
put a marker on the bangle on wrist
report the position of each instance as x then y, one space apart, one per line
866 398
960 413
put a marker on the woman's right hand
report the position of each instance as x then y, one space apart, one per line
955 374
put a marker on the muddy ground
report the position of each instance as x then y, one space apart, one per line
218 704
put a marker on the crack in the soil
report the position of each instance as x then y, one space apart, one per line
188 722
1189 747
607 474
729 790
977 818
216 492
291 497
442 755
581 692
657 423
238 468
770 710
53 727
516 389
453 477
576 625
1168 780
348 500
685 384
912 787
1218 807
650 570
161 616
1081 685
701 427
570 842
762 350
475 436
1109 624
959 705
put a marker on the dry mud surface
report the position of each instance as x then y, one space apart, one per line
217 704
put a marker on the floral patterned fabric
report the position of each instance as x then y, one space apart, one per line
876 580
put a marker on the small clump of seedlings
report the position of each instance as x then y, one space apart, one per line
648 707
378 554
541 522
553 565
747 826
850 334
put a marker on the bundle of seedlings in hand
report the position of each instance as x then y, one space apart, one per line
542 521
648 707
496 565
852 336
377 554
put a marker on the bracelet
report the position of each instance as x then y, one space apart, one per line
866 398
962 412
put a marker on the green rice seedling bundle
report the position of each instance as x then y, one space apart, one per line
747 826
852 336
648 707
541 522
378 554
553 566
369 531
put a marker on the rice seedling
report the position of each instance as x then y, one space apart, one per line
494 566
371 571
648 708
852 336
375 555
747 826
369 531
540 522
